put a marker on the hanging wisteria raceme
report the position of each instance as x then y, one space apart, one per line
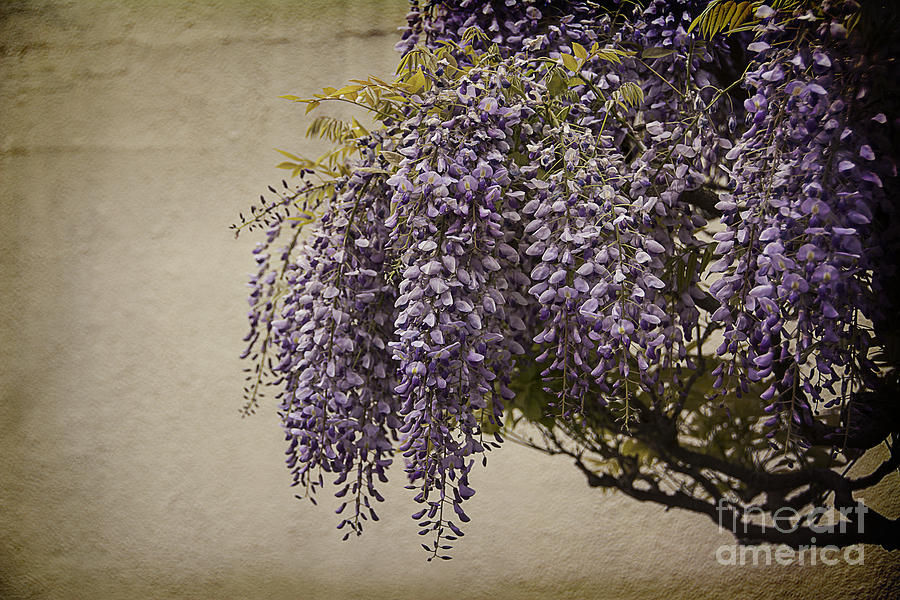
800 245
463 311
263 311
540 192
337 408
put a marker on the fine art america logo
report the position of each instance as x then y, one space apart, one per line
787 520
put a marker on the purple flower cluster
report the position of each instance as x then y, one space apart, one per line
331 351
534 199
506 22
403 311
459 322
601 224
800 244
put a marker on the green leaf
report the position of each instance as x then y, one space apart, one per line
630 93
557 84
656 52
609 55
579 50
348 91
288 154
358 129
570 62
416 82
392 157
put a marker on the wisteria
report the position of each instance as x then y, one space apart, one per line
801 239
570 211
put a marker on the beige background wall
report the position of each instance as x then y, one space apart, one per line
131 134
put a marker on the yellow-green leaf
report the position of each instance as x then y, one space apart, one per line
451 60
732 13
346 89
288 154
416 82
557 84
609 55
570 62
746 12
358 129
720 18
392 157
656 52
579 50
630 93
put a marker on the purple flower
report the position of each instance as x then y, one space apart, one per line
794 283
825 274
489 105
468 184
621 328
810 253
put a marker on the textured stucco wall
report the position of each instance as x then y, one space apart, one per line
131 134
